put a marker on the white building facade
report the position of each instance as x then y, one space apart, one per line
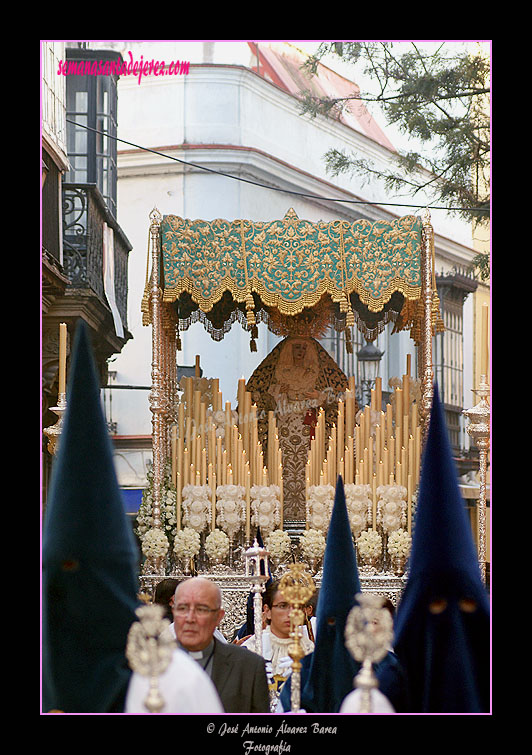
221 116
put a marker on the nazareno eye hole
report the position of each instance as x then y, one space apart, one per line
331 621
437 606
467 605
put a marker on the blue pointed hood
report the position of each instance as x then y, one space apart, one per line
327 673
442 628
90 559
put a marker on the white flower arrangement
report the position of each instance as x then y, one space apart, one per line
391 507
319 506
155 543
196 506
187 543
167 507
278 544
231 508
265 506
358 502
399 544
217 546
312 543
369 545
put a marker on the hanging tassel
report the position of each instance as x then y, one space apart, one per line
350 317
344 303
250 314
253 345
348 341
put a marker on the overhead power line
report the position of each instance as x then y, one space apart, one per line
274 188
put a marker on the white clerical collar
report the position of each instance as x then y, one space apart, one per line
196 654
200 655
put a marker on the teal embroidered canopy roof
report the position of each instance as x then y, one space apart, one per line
281 269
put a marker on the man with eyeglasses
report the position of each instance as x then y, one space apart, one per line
238 675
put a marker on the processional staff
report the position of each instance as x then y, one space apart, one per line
297 587
368 635
149 650
257 574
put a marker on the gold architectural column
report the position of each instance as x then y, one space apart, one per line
427 372
157 398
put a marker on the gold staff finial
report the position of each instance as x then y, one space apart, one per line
149 650
297 587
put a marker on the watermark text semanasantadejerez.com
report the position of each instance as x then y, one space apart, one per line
123 67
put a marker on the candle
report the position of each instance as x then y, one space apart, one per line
380 473
349 412
373 484
215 387
248 500
186 466
219 460
173 433
62 357
197 369
281 489
378 445
228 431
212 483
414 417
411 457
417 453
181 420
367 425
406 395
203 422
350 456
409 504
240 398
248 421
484 367
188 396
398 422
389 421
196 411
378 394
203 466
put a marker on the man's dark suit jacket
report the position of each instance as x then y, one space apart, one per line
239 675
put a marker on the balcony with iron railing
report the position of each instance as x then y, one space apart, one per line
84 215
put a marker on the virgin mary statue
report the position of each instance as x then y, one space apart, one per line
297 378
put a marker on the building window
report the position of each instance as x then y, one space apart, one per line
448 349
91 128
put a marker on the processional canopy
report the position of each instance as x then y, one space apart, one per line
294 275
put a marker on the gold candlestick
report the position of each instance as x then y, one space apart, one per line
62 357
53 432
479 430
